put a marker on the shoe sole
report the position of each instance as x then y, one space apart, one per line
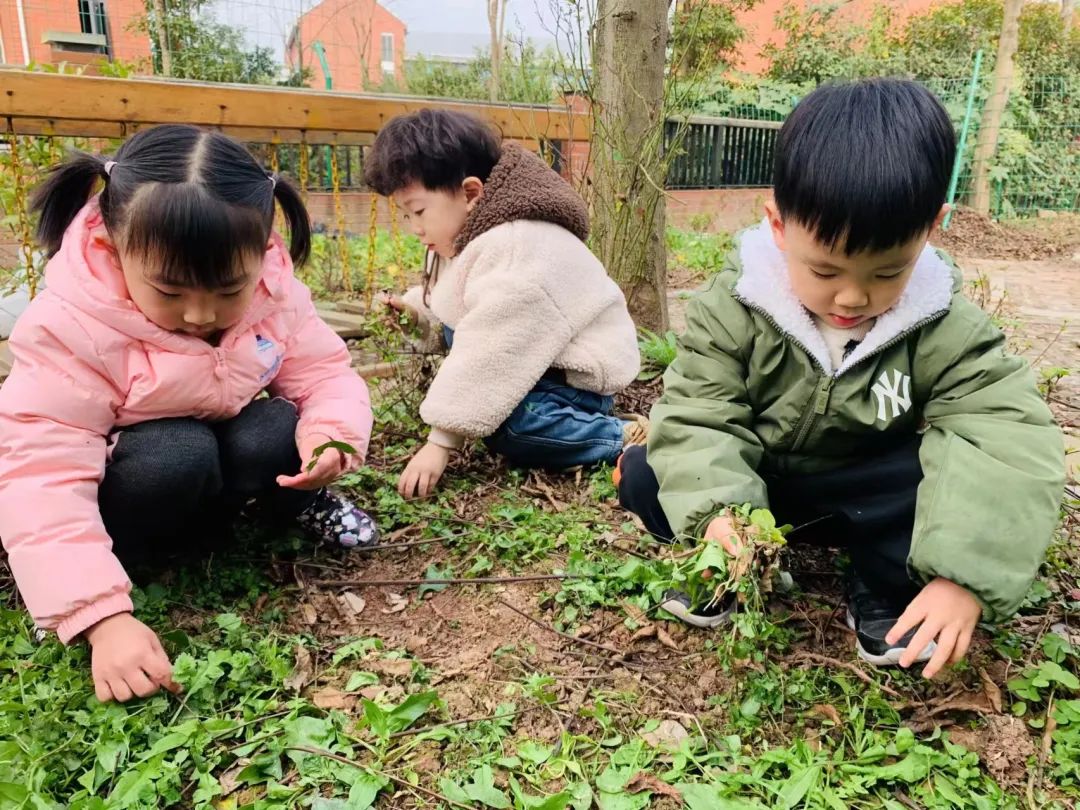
891 657
680 611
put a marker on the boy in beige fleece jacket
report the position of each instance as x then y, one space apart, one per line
539 336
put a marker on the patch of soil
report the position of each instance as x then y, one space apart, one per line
640 396
972 234
1004 744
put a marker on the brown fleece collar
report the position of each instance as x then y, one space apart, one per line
522 186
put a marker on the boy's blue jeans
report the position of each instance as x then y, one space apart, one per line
557 426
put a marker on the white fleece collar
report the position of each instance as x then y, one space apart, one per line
765 284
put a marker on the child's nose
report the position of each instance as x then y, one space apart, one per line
852 298
199 315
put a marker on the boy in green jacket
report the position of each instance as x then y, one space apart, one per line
834 373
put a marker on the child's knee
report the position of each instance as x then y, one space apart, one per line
260 443
168 458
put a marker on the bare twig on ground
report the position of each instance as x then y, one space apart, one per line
352 583
585 642
824 660
431 794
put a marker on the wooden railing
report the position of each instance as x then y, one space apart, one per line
92 106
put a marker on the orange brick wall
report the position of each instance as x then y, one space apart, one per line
351 33
63 15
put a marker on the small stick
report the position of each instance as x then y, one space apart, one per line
340 583
410 731
814 658
431 794
567 636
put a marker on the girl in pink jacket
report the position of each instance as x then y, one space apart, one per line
132 423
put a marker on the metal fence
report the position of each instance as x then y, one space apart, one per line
720 152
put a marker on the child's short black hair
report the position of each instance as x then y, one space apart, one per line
194 202
865 164
436 148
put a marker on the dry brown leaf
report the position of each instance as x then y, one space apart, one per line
665 639
396 603
634 612
302 670
646 781
354 602
260 603
668 735
372 692
585 631
991 690
229 779
398 667
330 698
310 614
648 631
828 711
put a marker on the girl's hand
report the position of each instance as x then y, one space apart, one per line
398 305
423 472
127 659
330 465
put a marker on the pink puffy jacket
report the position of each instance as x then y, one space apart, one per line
88 362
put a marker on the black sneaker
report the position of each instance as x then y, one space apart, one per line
713 614
872 617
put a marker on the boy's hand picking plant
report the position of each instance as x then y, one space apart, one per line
737 561
127 659
948 614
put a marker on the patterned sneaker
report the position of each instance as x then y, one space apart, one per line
334 519
872 617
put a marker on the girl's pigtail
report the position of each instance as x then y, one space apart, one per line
296 215
63 194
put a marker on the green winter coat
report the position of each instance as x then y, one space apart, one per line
752 389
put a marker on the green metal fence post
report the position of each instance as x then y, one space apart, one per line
960 147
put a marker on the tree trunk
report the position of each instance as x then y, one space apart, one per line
162 37
990 125
1068 7
496 23
629 46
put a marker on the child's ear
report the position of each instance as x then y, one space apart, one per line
944 212
776 224
474 190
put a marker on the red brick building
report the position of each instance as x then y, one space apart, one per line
760 24
363 44
75 31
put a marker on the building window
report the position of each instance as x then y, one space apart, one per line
92 17
387 51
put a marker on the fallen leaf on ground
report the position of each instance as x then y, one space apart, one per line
666 639
399 667
396 603
991 690
828 711
669 735
260 603
353 602
634 612
648 631
331 698
646 781
229 779
302 670
310 615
